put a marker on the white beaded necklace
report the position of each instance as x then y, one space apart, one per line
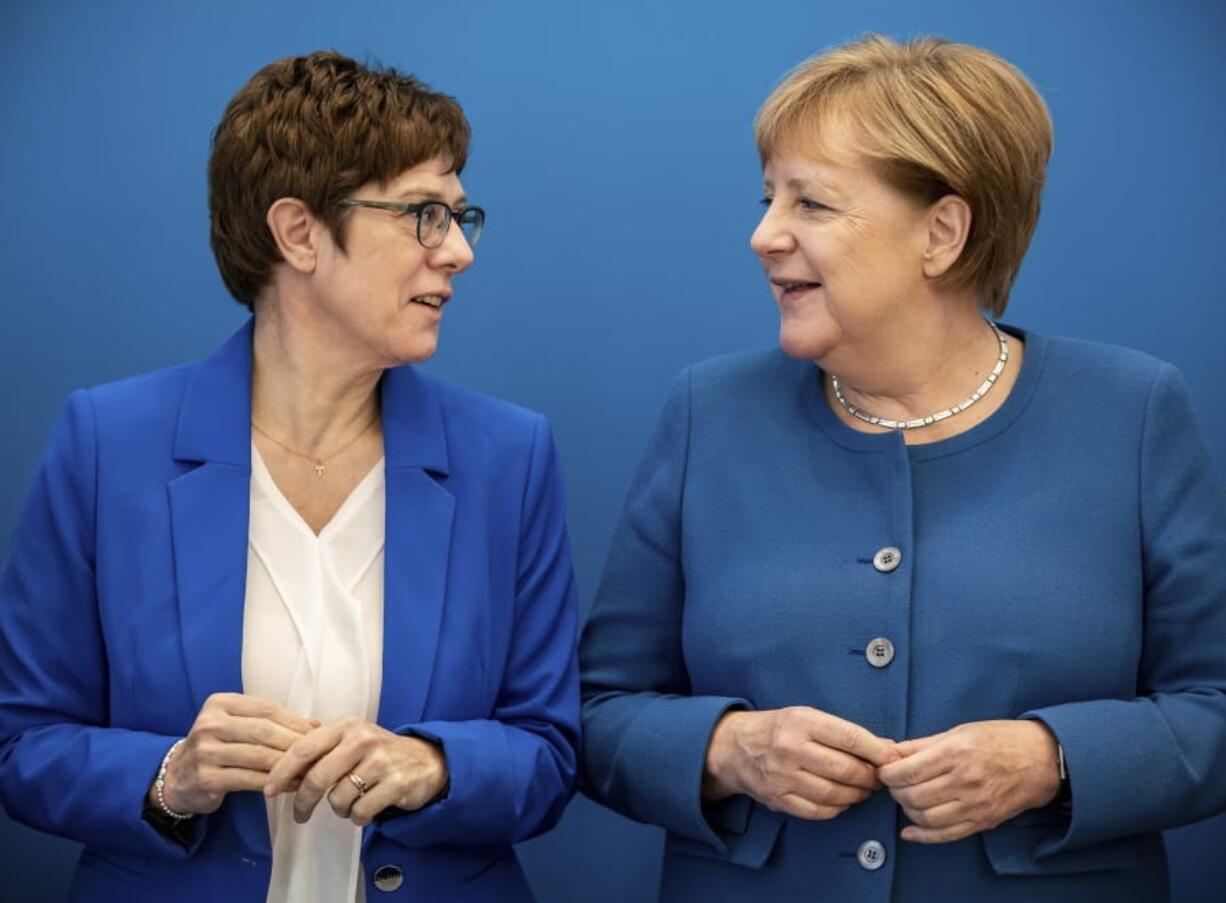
983 389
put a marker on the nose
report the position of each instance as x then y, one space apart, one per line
772 237
455 254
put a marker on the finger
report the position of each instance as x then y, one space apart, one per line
380 796
911 747
794 804
262 731
325 774
238 755
938 835
302 755
838 766
931 793
228 780
943 816
849 737
342 796
247 706
919 767
825 792
292 788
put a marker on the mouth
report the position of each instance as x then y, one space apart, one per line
790 288
435 302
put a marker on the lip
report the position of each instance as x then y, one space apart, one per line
793 289
443 296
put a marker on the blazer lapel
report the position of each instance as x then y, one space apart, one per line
209 514
417 544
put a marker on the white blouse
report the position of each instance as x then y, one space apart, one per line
313 641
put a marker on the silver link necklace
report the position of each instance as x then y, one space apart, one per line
984 387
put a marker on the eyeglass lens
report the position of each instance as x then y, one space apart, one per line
434 220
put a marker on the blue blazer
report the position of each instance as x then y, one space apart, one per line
121 611
1063 560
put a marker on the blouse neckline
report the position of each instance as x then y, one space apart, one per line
267 486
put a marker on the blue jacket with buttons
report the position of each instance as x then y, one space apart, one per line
121 611
1062 561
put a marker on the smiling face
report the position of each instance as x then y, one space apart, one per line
384 294
844 253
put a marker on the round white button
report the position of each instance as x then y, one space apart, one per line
388 878
887 559
871 855
879 652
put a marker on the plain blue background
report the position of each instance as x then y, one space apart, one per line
613 153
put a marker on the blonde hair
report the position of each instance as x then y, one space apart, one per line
932 118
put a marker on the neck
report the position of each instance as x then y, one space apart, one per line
305 390
922 366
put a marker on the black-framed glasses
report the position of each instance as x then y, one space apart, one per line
433 218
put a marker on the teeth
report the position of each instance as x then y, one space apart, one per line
431 300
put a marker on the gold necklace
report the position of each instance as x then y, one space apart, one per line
320 463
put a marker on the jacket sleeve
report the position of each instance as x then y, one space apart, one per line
645 734
512 774
62 769
1140 765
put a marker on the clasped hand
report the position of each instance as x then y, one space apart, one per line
241 742
813 765
972 777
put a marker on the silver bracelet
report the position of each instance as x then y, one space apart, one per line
159 784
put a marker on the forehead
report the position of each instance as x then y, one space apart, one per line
435 178
824 148
801 173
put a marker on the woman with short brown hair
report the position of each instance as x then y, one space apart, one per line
296 622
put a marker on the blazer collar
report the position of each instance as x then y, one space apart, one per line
413 431
215 416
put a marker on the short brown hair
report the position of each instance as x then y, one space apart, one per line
315 128
933 118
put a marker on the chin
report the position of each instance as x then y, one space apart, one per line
414 352
804 344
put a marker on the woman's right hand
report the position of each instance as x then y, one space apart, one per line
798 760
233 745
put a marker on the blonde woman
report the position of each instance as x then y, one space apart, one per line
918 606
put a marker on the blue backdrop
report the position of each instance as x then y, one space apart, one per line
613 152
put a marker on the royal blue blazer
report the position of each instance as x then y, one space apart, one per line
1064 560
121 611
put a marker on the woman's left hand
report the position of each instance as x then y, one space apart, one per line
972 777
391 770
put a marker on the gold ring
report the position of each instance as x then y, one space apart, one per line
358 783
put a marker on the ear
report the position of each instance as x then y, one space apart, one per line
949 225
291 223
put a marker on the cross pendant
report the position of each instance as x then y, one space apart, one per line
319 469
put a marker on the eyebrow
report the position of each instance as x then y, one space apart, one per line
805 186
427 194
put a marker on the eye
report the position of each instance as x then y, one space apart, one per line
766 201
432 216
809 204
